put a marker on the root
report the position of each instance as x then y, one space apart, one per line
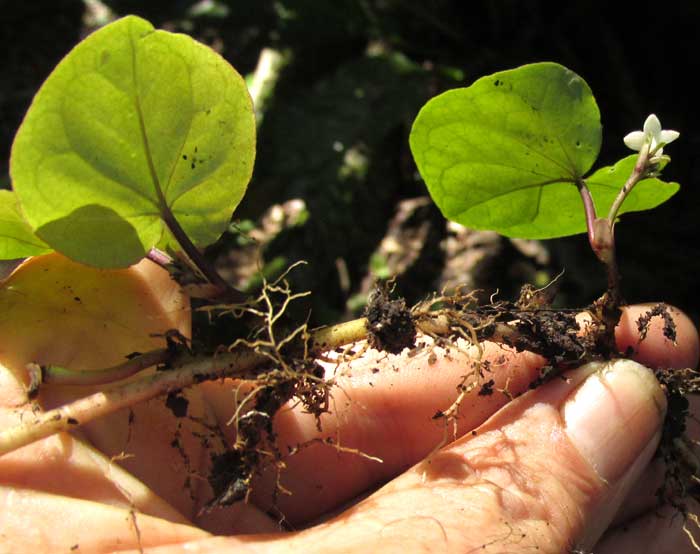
692 518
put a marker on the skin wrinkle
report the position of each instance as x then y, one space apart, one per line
525 502
382 514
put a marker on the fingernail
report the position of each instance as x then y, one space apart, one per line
613 415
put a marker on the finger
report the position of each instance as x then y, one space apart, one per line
656 350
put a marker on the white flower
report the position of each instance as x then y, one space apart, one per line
652 135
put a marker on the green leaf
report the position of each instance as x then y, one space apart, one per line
605 184
16 237
132 127
504 153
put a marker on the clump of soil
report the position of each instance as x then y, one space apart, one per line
390 324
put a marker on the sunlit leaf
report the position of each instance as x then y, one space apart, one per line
17 239
132 127
504 153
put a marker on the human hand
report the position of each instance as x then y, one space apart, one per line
552 470
522 482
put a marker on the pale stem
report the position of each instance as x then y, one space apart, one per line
327 338
638 173
243 363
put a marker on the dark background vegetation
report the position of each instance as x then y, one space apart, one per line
335 131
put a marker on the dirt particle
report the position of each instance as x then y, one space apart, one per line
662 311
389 322
487 388
177 404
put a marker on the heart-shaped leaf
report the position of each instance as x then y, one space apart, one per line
133 128
504 153
16 237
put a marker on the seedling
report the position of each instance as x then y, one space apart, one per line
141 144
513 153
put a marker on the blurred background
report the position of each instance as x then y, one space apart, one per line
339 83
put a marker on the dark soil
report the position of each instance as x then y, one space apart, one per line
389 322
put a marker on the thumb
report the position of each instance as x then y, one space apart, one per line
545 473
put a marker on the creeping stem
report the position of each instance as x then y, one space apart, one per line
243 362
327 338
240 363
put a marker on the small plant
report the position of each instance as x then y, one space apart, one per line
141 143
512 153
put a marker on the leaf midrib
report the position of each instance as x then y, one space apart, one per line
161 205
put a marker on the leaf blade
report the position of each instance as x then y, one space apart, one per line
140 123
513 135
